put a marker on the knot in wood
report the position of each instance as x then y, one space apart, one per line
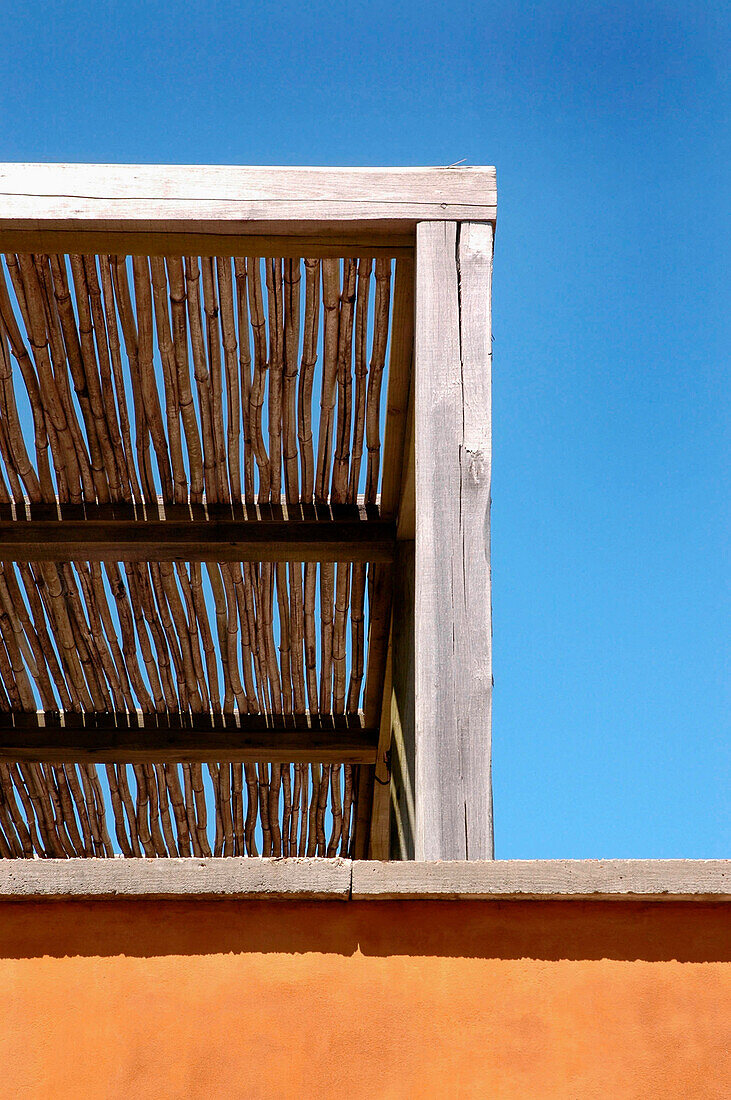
475 464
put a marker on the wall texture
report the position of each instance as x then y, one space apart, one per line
380 999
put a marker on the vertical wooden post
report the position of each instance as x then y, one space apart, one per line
373 787
403 810
452 612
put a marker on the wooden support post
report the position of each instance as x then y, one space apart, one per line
403 809
379 839
452 614
381 582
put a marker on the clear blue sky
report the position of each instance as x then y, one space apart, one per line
608 123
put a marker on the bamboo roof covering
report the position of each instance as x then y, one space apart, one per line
195 548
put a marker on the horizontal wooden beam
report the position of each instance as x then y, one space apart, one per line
123 738
239 200
341 241
224 533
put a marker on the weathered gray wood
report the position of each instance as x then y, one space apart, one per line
215 878
157 738
656 879
119 532
226 199
453 612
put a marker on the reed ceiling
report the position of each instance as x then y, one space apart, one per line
205 386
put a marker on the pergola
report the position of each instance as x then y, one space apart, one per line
244 510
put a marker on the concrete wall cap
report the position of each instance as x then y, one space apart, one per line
343 879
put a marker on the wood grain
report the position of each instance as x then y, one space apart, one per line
453 642
174 198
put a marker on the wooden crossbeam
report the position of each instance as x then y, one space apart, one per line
123 738
239 201
352 241
223 533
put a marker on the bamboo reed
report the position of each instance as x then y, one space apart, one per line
101 349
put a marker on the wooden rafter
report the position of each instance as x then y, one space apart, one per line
168 738
356 244
223 533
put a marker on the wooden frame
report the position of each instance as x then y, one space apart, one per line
427 710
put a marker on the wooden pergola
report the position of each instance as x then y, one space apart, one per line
219 543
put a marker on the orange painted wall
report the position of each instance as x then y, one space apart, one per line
391 999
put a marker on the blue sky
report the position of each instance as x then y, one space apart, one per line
609 127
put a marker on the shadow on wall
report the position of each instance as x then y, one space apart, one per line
546 930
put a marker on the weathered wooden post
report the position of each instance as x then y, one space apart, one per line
442 646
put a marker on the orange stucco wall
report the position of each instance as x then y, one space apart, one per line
423 999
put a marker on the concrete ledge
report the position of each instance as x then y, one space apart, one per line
230 877
656 879
343 879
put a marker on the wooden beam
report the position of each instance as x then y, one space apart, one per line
380 591
380 830
453 621
397 405
406 529
399 386
196 533
151 738
401 717
381 581
240 200
341 241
